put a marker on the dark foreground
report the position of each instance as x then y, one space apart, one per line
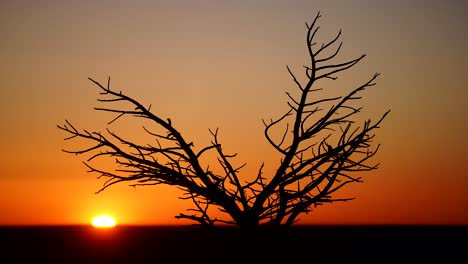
302 244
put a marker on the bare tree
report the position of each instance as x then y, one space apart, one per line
322 148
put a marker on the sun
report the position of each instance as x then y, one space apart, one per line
104 221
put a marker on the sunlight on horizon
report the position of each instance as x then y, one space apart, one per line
104 221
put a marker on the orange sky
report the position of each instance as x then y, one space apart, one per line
222 64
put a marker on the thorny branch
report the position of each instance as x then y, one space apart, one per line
322 147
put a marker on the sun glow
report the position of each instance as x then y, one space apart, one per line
104 221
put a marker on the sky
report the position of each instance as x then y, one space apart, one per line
222 64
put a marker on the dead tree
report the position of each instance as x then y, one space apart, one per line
324 147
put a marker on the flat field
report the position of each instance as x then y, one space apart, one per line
187 244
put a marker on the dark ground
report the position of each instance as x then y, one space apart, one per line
302 244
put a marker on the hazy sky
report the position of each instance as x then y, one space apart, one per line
209 64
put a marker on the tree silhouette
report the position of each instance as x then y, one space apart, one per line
322 149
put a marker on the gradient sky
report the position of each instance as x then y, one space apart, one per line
208 64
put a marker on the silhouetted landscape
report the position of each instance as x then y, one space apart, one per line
186 244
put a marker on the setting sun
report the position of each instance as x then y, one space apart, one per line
103 221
